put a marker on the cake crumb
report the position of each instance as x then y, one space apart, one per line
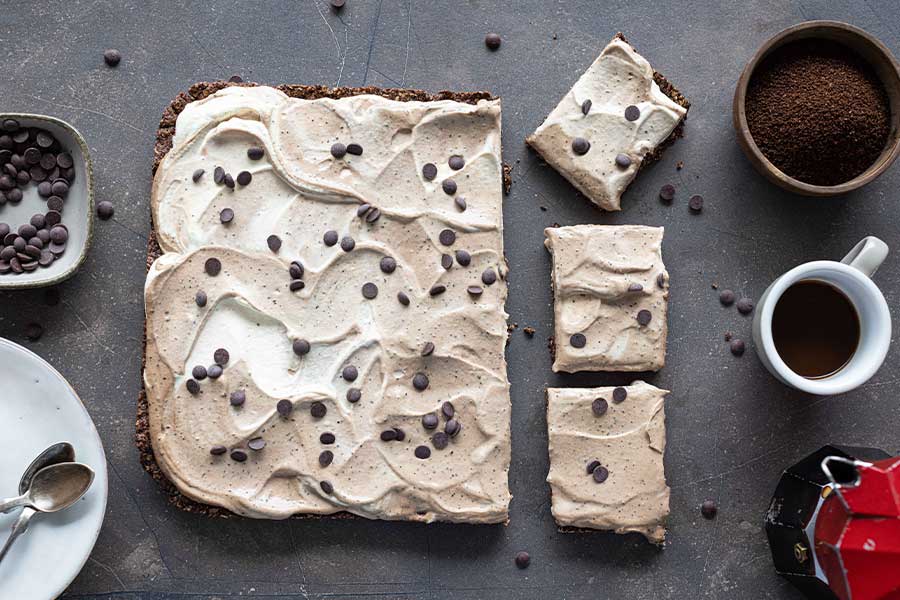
529 331
679 165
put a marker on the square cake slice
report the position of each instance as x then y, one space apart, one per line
610 297
325 326
606 458
618 115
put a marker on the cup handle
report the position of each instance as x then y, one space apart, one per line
867 255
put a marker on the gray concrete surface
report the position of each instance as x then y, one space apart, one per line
731 427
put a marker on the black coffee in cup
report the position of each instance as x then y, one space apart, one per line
815 328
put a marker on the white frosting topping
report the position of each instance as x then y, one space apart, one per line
298 192
603 277
617 79
629 440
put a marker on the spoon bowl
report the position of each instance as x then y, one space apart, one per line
59 486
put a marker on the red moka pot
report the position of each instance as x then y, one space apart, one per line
834 524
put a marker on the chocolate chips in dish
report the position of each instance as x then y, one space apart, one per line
33 157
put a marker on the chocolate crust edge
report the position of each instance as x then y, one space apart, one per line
164 135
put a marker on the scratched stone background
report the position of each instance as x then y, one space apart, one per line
731 428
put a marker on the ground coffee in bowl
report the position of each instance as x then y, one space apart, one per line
818 111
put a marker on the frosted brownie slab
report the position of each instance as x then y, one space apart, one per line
606 458
617 115
309 350
611 293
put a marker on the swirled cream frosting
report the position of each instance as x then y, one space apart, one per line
611 293
618 115
326 326
606 458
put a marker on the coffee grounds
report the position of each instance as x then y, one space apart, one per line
818 112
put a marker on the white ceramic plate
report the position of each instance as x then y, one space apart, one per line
37 409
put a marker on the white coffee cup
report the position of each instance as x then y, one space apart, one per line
852 276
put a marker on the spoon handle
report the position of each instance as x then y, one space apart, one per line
11 503
18 529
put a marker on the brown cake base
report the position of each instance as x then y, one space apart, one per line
164 136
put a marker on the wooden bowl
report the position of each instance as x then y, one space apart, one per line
873 52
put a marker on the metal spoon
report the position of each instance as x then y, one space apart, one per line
51 489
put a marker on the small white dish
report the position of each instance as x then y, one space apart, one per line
39 408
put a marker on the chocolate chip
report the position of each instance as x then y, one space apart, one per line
449 187
32 156
214 371
488 277
661 281
373 215
429 171
387 264
327 438
238 455
55 203
64 160
219 175
623 161
427 349
492 41
420 381
437 290
580 146
236 79
726 297
330 238
635 287
244 178
237 398
274 243
300 346
599 407
601 474
229 181
460 203
619 394
592 466
401 435
347 243
199 372
325 485
338 4
296 285
452 427
667 192
586 106
523 559
422 452
325 458
447 237
112 57
388 435
696 203
446 261
218 450
578 340
317 410
48 162
363 209
53 217
474 290
632 113
10 125
284 408
430 421
369 290
440 440
354 149
354 395
255 153
456 162
256 444
737 347
192 387
226 216
296 270
34 331
212 266
221 357
643 317
402 298
105 210
709 509
349 373
44 189
448 410
745 306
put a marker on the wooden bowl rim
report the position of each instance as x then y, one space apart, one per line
753 152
